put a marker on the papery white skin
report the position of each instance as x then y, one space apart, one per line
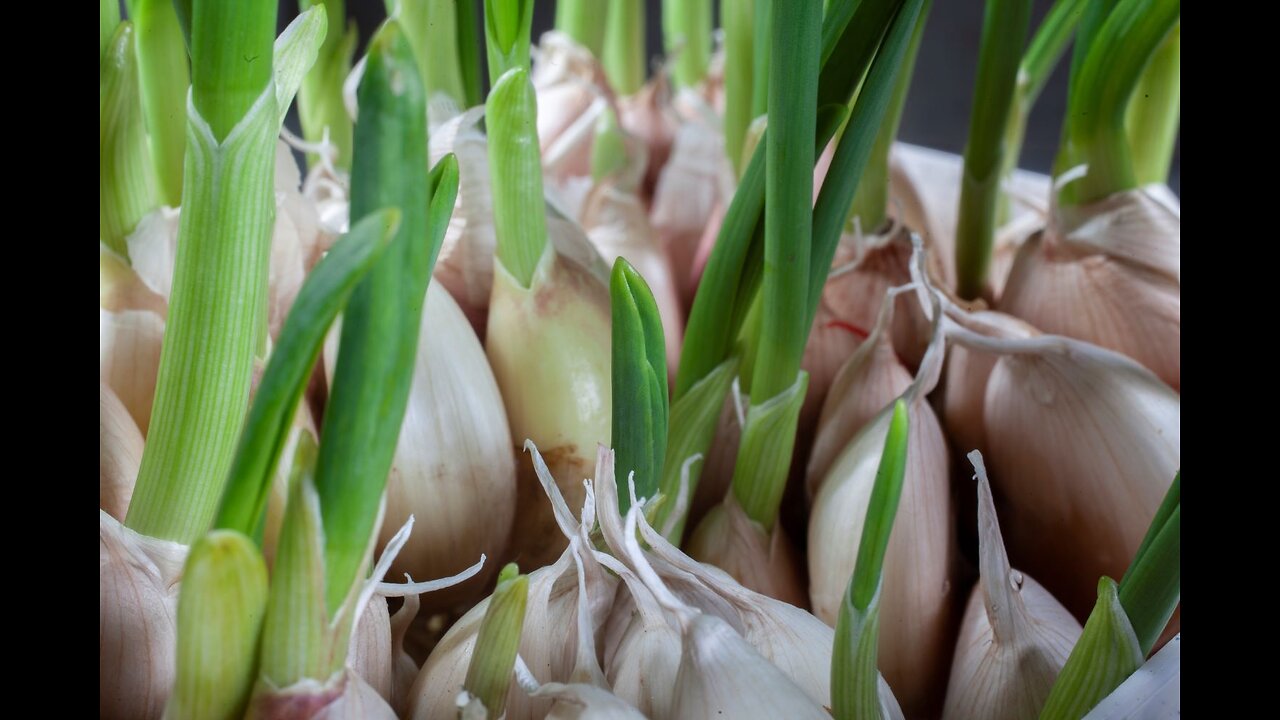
965 394
764 561
370 653
453 469
549 641
1015 637
119 454
1108 273
647 115
138 582
571 93
346 696
1152 691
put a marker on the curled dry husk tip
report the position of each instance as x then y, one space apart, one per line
1014 638
550 638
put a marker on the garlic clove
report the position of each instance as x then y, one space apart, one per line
1108 273
549 349
129 358
344 697
369 655
138 581
968 369
571 93
119 453
647 115
1014 638
1083 442
916 615
764 561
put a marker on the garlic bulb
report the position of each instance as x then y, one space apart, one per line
119 454
1108 273
916 623
465 262
454 469
137 608
549 640
1015 637
548 346
1083 443
570 87
868 382
129 358
692 183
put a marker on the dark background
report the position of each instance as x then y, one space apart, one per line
937 111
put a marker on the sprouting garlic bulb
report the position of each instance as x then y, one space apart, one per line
916 624
138 581
1015 637
119 454
454 468
1108 273
866 383
798 643
694 181
549 348
153 244
549 640
642 649
925 185
764 561
571 91
1083 443
465 262
968 369
617 224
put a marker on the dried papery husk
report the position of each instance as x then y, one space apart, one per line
916 619
138 582
798 643
121 289
119 454
694 181
1083 443
720 674
642 649
965 393
549 641
924 184
717 468
1014 638
129 357
647 115
617 224
549 350
868 382
453 469
153 244
1108 273
572 92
